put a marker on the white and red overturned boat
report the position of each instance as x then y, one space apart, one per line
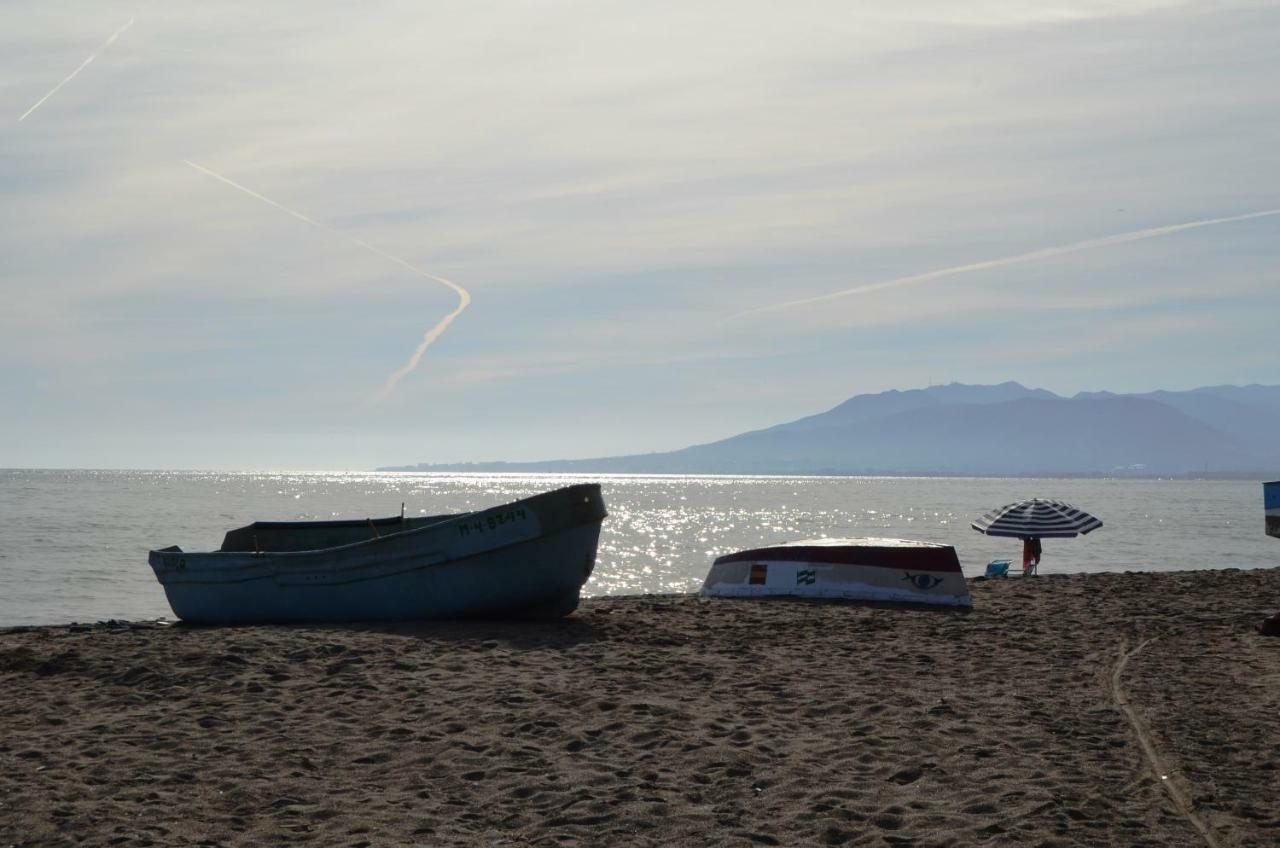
895 570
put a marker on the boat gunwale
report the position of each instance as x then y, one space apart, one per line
384 568
343 522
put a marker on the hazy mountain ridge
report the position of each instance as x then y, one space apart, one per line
981 430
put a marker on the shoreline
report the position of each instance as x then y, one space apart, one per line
974 579
667 719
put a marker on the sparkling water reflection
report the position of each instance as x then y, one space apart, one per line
73 543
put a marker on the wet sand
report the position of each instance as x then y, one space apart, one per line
1061 711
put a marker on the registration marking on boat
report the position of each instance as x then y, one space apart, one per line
491 522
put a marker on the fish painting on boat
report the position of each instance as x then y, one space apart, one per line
529 558
896 570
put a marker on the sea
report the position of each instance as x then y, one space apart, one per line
73 544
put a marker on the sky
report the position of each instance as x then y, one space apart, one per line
226 229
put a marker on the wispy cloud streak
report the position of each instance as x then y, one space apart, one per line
1032 256
73 74
464 297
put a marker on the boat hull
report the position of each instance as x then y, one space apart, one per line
865 570
527 558
1271 503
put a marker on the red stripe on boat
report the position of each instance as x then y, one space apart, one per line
903 558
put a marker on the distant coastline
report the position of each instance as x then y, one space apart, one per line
1005 430
525 468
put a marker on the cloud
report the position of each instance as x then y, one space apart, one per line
110 40
433 332
1015 259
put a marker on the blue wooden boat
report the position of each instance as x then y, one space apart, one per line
529 558
1271 504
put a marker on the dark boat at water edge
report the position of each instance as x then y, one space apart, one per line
1271 505
528 558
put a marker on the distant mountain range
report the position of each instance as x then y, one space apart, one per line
982 430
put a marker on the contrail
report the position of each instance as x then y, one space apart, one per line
464 297
73 74
1043 253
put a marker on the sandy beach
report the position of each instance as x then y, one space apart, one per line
1111 709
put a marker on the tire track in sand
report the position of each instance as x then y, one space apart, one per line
1180 798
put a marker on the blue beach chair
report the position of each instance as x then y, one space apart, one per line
998 568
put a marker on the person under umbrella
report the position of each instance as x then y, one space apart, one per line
1033 520
1031 551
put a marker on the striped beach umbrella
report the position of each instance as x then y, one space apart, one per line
1038 517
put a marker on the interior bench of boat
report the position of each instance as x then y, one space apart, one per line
276 536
